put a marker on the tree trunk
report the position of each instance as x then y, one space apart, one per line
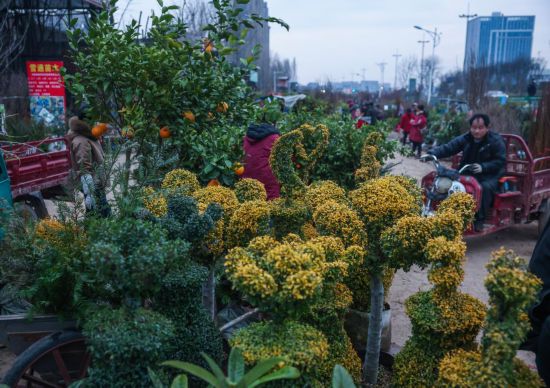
372 354
209 293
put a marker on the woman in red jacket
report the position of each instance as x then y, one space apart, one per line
405 124
418 125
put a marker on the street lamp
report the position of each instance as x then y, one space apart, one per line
436 38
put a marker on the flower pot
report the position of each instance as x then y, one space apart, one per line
357 326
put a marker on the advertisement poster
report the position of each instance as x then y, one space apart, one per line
3 120
46 92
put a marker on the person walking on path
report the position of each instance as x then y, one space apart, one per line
87 162
418 125
405 124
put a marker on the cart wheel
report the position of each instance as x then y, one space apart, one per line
25 211
56 360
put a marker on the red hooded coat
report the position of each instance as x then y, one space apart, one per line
257 146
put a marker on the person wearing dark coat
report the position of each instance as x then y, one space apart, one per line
539 314
257 144
485 151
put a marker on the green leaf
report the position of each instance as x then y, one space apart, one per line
287 372
214 367
180 381
260 369
235 365
154 379
243 1
341 378
195 370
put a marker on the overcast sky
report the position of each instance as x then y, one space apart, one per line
344 39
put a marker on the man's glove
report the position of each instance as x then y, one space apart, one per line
476 168
88 188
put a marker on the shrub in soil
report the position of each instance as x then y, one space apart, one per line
124 343
512 289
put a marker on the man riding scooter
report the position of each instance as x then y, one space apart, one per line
485 152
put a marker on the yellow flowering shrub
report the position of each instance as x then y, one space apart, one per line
48 229
321 192
155 202
251 219
380 203
301 345
182 181
309 231
512 289
286 154
288 216
283 278
249 189
223 196
443 318
370 166
337 219
462 204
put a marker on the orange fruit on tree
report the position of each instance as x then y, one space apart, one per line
210 116
188 115
208 46
213 182
239 169
165 133
222 107
99 129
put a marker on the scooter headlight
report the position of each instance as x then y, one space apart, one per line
443 184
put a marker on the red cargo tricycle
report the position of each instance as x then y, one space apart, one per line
524 194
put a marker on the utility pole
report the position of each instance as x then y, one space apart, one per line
381 65
363 70
467 16
422 42
396 56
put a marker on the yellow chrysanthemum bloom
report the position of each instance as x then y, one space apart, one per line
322 191
248 189
381 202
182 181
223 196
337 219
251 219
155 202
462 204
48 229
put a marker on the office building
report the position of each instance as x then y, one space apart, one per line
497 39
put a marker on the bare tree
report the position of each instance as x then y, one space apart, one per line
195 14
12 37
408 68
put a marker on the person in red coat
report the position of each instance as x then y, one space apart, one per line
257 144
418 125
405 124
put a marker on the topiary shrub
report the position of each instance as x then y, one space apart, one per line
180 181
126 260
443 318
288 216
512 289
300 345
249 189
180 300
154 201
251 219
123 344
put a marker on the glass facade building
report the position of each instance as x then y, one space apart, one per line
496 39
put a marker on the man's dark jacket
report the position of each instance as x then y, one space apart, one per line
490 153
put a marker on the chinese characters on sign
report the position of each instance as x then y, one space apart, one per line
46 92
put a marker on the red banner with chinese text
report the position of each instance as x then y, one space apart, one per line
44 78
46 92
